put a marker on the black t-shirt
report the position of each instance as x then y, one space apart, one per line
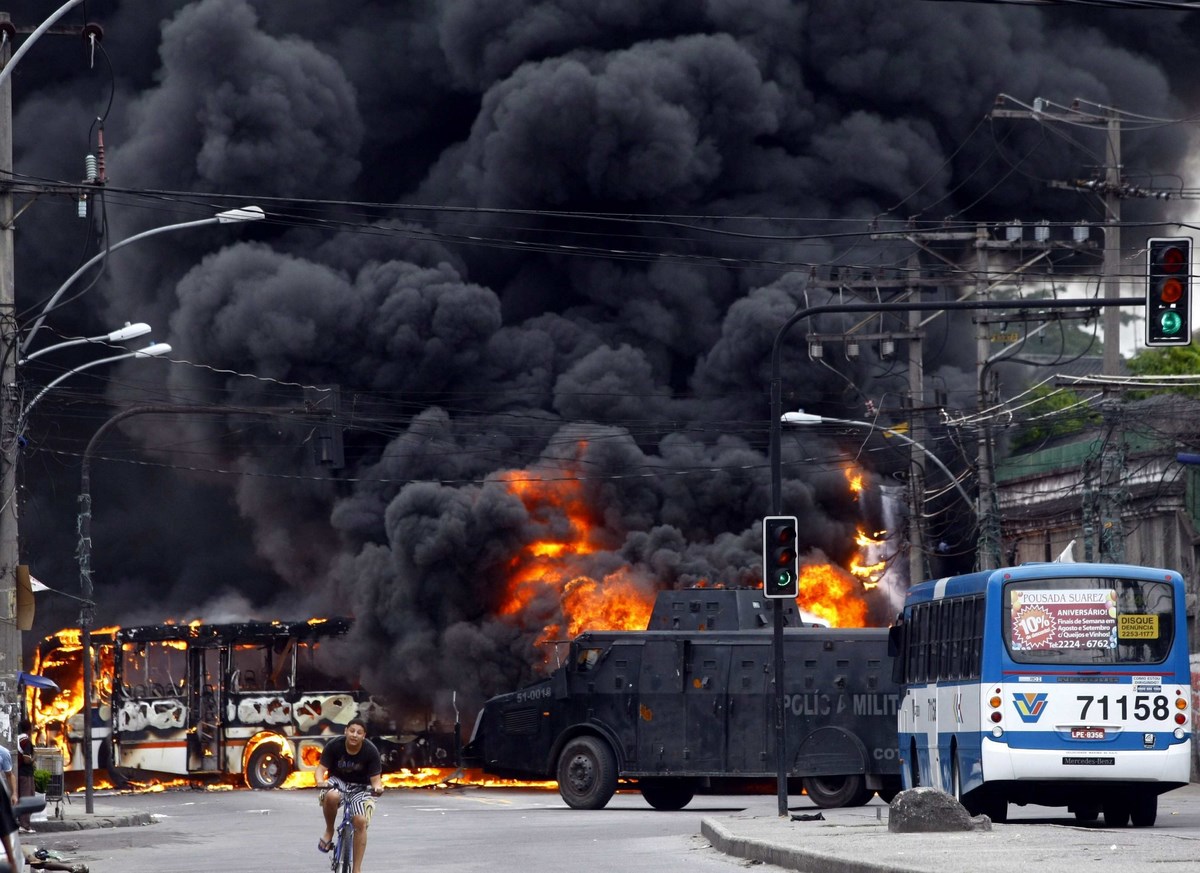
354 769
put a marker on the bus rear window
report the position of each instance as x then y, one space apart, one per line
1088 620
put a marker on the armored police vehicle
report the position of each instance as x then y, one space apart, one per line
691 709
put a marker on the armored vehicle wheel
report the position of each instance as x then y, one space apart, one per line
667 794
830 792
267 767
587 773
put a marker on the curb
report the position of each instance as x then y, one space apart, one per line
83 822
783 856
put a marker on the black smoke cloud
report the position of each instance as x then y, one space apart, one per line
479 341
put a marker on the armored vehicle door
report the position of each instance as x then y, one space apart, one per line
706 691
751 731
660 708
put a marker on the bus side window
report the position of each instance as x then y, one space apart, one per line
944 633
955 667
922 667
975 617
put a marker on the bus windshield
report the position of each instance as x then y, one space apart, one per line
1088 620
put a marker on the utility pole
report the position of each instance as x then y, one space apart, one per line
10 409
988 550
1112 244
1112 188
10 400
916 463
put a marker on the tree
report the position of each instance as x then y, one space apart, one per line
1168 361
1054 413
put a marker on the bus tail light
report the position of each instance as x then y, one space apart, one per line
1180 718
996 717
1181 703
995 702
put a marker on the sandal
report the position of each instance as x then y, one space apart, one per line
323 845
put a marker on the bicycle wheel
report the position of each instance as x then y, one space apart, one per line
346 846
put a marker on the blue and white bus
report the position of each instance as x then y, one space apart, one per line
1057 684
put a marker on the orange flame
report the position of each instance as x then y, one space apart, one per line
829 592
571 530
871 574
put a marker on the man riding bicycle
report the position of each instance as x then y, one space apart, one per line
350 763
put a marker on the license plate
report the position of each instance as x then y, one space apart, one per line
1087 733
1089 761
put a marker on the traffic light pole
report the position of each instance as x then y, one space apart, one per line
775 426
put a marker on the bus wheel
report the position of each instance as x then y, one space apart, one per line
829 792
995 808
1116 813
1144 810
267 767
667 794
587 773
1086 812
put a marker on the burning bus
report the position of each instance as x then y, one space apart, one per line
249 699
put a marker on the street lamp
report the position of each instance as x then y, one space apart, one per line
229 216
150 351
120 335
802 417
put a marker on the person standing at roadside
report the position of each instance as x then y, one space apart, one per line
350 763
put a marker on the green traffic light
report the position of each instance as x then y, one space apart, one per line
783 578
1170 323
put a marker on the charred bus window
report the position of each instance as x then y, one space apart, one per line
318 668
153 669
250 669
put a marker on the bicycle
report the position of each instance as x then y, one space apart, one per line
341 856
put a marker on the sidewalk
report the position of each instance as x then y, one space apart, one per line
857 840
69 815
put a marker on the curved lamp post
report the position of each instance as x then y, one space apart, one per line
151 351
229 216
803 417
86 612
120 335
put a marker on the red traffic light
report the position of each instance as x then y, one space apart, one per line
784 535
1172 259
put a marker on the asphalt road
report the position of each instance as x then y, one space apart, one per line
464 829
532 831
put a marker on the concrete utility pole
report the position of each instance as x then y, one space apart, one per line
1112 245
1112 187
917 565
10 401
10 413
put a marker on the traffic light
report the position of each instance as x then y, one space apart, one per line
1169 292
781 564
